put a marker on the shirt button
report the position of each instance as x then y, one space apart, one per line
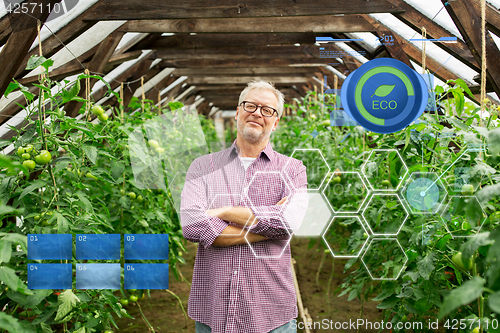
235 272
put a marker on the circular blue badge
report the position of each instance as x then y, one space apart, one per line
384 95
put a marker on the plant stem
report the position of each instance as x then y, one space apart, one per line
320 266
180 302
361 314
151 329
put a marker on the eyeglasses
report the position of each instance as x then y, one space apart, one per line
266 111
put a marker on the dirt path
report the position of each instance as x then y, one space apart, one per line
163 311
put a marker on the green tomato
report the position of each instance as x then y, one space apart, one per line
36 218
140 198
133 298
89 175
466 226
160 150
386 183
458 260
131 195
45 223
336 180
28 148
124 301
467 189
29 164
26 156
475 330
108 331
43 158
97 110
20 151
132 290
153 144
325 123
103 117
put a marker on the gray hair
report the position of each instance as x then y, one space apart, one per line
253 85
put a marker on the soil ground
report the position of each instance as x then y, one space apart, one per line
164 313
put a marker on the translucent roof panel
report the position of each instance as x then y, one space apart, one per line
436 12
446 59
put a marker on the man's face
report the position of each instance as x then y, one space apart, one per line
254 127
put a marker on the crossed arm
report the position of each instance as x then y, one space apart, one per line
234 235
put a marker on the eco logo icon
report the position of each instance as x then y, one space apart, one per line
384 95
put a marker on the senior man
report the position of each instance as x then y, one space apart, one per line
237 204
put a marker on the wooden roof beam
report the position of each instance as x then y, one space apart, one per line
395 47
176 9
245 71
247 62
65 35
416 20
244 79
212 40
468 22
24 32
290 24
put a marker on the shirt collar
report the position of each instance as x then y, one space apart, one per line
267 152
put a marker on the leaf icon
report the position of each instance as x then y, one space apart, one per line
383 90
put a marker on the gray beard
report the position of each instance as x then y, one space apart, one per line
251 135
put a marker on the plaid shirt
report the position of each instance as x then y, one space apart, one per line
243 288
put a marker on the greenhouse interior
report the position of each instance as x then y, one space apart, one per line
250 166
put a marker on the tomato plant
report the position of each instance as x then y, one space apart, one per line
433 283
77 185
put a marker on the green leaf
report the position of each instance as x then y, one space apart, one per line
383 90
6 210
12 86
388 303
67 301
9 323
5 251
474 243
426 265
62 223
465 294
16 238
33 186
464 86
389 290
46 328
9 277
91 152
68 95
38 295
85 203
494 302
458 123
80 330
35 61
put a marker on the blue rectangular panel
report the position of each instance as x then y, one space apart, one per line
50 276
146 247
50 246
98 247
98 276
146 276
